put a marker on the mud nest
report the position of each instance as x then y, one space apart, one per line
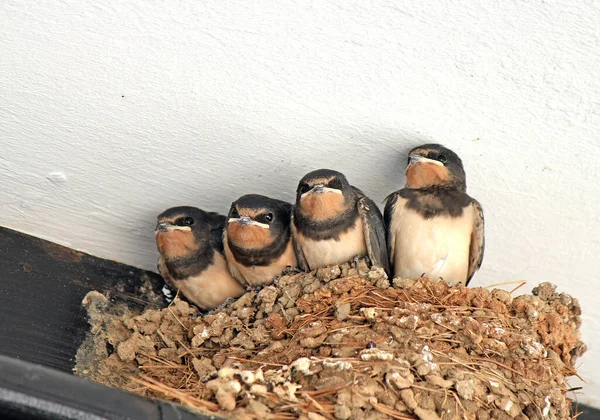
342 343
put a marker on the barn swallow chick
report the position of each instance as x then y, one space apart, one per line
334 222
433 227
257 240
191 256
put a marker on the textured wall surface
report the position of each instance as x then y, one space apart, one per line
111 112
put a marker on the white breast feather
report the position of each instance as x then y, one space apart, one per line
437 247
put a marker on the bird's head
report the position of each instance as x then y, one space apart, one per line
256 221
323 194
432 165
182 231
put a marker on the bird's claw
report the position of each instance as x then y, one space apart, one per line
220 306
276 280
289 270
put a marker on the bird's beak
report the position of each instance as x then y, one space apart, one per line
414 159
169 227
246 220
163 226
320 189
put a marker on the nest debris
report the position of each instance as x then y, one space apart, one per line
341 343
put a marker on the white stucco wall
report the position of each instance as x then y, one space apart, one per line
111 112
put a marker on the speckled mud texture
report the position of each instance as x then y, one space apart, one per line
341 343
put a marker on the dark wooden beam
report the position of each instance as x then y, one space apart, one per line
41 288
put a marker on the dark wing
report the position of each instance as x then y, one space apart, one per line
288 206
216 224
171 290
215 219
285 210
390 237
164 272
477 241
300 258
374 231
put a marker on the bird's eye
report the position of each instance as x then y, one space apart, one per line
304 188
233 212
188 221
269 217
442 158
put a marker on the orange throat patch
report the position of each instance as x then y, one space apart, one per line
420 175
323 206
176 244
248 236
